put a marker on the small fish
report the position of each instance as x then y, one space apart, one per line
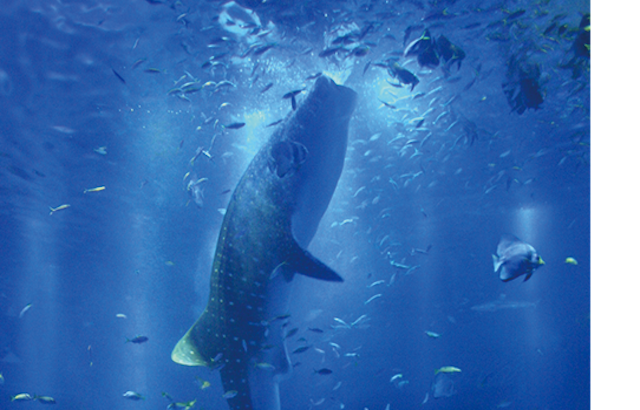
399 265
131 395
403 75
266 88
265 366
24 310
217 359
275 123
21 397
118 76
362 188
358 320
395 377
203 383
448 369
230 394
96 189
372 298
58 208
186 405
291 332
376 283
515 14
323 371
515 258
101 150
301 349
281 317
138 339
1 379
571 261
121 315
152 70
224 83
342 322
315 330
426 398
435 90
432 334
45 399
359 51
328 52
386 104
234 125
138 62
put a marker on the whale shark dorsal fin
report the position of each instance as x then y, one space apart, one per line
286 157
302 262
187 353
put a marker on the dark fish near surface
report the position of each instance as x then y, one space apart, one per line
45 399
403 75
266 88
424 48
449 52
516 14
138 339
118 76
515 258
328 52
234 125
324 371
301 349
275 123
291 332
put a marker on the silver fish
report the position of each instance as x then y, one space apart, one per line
515 258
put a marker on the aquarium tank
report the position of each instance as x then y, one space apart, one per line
294 204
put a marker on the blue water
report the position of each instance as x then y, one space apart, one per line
421 204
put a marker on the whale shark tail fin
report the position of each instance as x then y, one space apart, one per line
187 353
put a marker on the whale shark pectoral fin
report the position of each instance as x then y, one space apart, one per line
187 353
302 262
286 157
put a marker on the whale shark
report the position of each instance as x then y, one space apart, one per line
272 216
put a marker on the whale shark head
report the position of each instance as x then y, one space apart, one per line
273 214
